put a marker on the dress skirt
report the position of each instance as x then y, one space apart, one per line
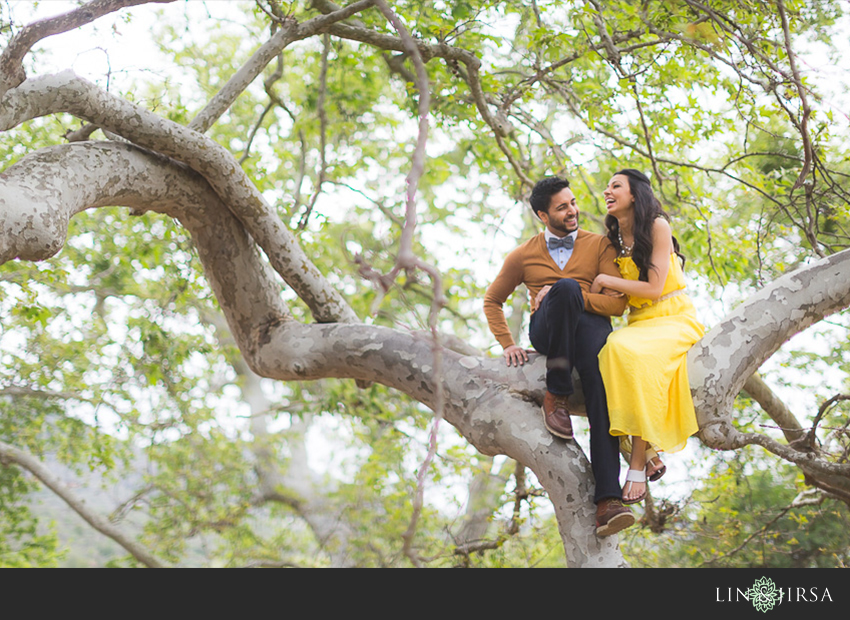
644 368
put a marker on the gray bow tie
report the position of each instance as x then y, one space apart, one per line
561 242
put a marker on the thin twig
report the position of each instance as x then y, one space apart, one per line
290 32
323 127
826 406
12 71
797 503
408 261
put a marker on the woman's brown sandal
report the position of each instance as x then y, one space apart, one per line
655 468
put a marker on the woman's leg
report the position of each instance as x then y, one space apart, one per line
634 490
655 467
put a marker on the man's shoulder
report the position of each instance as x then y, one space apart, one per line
590 236
527 246
587 238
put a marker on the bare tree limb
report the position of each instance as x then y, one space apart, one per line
323 128
67 92
408 261
762 324
30 392
492 406
83 133
290 32
12 71
10 454
774 406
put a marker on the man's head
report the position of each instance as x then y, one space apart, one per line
553 202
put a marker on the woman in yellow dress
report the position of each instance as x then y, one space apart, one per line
644 365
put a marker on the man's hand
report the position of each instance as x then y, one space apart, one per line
540 295
515 356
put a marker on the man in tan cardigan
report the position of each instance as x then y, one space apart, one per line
569 325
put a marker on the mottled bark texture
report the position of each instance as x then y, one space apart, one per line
729 354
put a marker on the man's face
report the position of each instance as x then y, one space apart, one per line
563 213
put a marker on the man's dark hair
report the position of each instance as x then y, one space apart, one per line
543 191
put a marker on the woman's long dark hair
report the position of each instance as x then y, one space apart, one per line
647 208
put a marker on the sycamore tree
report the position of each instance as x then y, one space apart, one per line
309 185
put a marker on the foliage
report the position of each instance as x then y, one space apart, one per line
142 377
748 513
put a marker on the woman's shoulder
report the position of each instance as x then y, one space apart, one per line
662 234
661 225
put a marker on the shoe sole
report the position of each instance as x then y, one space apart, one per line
550 429
656 475
617 523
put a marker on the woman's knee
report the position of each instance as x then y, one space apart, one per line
621 346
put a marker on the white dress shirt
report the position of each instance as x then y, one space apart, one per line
559 255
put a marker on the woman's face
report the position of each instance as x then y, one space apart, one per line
618 196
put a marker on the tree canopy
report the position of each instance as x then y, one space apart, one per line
241 275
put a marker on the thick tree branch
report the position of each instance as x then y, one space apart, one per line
727 355
774 406
66 92
40 194
495 418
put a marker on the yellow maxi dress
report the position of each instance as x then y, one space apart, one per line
644 365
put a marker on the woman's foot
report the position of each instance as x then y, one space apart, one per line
655 468
634 490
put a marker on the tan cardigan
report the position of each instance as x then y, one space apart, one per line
532 265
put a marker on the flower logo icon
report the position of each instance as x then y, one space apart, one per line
764 594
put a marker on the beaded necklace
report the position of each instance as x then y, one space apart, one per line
625 250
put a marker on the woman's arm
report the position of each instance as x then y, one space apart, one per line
662 247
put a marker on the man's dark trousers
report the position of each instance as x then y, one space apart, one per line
570 337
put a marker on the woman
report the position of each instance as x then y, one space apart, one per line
644 365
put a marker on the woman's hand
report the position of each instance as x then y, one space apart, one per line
601 281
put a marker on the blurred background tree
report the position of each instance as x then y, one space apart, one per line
120 373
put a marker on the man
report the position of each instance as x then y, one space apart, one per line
569 325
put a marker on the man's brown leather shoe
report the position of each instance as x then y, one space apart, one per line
556 415
612 517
